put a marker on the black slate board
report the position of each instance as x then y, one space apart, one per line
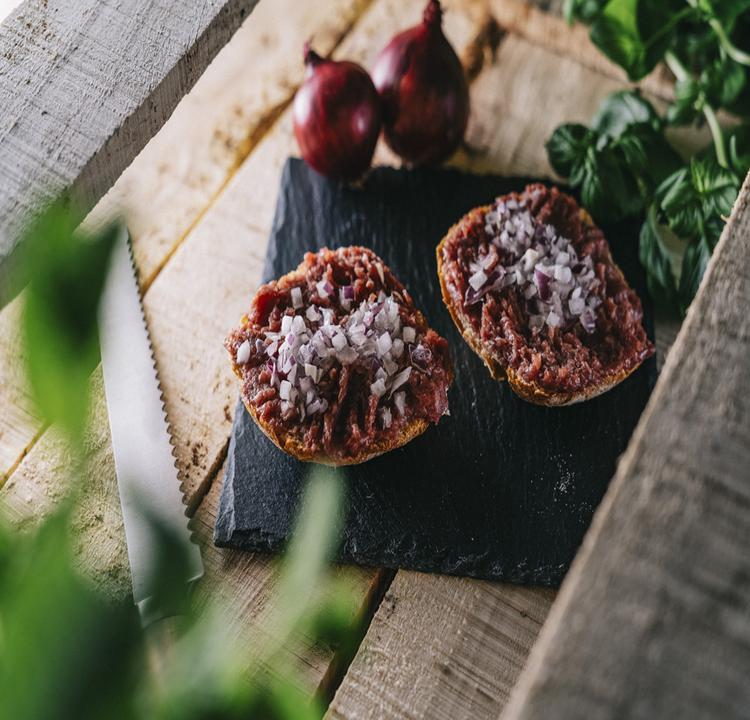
500 489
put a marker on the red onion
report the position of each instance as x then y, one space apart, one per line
424 92
336 117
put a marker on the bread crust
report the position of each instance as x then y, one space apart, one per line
530 391
287 441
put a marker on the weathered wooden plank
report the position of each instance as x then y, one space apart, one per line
166 189
415 660
442 647
184 167
84 85
654 617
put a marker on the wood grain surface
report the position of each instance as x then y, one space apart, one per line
84 85
654 617
201 198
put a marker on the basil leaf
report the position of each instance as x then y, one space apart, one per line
648 154
655 260
729 81
694 265
688 102
678 203
715 186
635 34
621 110
566 148
609 191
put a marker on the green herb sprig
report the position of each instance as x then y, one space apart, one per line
623 164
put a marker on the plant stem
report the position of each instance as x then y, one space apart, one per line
739 56
682 74
717 135
675 65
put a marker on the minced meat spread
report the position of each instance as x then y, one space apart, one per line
336 355
535 280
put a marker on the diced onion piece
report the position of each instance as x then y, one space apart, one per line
553 319
576 305
563 274
397 349
400 378
271 349
312 314
296 297
384 344
285 389
322 288
385 417
399 400
339 341
286 324
243 353
478 279
378 387
409 334
312 371
298 324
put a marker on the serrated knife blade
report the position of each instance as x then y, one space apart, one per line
146 473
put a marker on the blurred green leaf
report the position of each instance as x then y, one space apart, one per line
313 544
67 271
635 34
66 653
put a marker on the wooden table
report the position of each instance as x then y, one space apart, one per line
199 200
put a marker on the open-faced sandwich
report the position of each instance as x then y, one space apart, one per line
336 364
531 284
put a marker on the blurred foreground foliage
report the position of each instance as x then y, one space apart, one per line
66 650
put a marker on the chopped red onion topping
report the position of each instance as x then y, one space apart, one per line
310 343
556 284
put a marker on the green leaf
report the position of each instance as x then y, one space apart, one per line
635 34
688 102
693 203
655 261
694 263
608 190
620 110
70 654
648 154
67 271
715 186
567 147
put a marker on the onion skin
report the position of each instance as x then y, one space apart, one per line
337 117
424 92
